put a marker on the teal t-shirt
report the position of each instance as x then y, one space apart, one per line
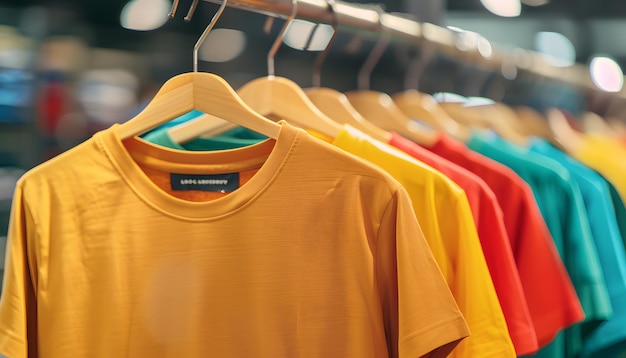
610 337
561 204
232 139
620 208
176 121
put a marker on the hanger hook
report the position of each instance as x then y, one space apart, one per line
208 29
192 9
363 79
319 61
279 39
173 10
416 67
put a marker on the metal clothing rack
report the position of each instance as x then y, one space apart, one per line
374 22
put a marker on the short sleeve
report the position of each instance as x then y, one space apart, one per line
472 285
498 253
420 313
542 270
17 304
620 209
582 258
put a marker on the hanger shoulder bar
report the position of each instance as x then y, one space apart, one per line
173 100
203 91
213 95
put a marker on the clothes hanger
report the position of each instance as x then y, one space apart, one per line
503 120
618 126
334 103
455 104
422 106
516 123
499 116
533 123
205 125
562 132
459 113
282 98
379 108
201 91
594 124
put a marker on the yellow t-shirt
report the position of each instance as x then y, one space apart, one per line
314 253
446 219
607 156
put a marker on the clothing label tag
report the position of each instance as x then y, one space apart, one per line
222 183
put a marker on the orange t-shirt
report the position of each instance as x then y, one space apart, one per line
316 254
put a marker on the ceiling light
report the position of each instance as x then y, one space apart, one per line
222 45
322 35
144 15
557 49
484 47
509 70
299 34
504 8
535 2
606 74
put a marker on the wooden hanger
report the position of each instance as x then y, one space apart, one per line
452 104
503 120
282 98
379 108
463 116
334 103
337 106
200 91
206 125
423 106
533 123
568 138
618 126
593 123
205 92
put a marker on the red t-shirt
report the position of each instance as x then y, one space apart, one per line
494 241
549 291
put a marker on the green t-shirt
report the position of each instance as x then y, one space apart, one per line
620 208
561 204
176 121
610 337
232 139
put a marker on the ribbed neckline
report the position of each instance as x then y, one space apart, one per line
269 156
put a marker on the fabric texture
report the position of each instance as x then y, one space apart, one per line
550 294
618 206
446 219
435 197
562 207
610 335
494 240
317 254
